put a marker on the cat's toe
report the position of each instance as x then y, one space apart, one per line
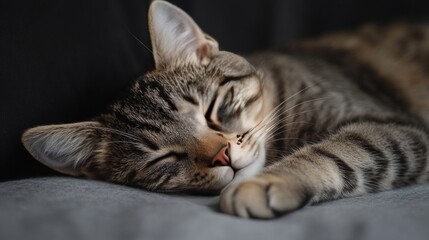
263 197
246 199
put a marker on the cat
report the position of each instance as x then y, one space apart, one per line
321 119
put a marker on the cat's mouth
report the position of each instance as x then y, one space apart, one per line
246 172
248 166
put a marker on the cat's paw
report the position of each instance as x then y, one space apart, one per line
264 196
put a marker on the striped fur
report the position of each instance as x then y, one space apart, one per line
326 118
365 132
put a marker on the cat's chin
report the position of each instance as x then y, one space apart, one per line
227 175
223 175
250 170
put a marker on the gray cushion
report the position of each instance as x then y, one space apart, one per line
67 208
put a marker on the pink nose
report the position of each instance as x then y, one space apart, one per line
221 158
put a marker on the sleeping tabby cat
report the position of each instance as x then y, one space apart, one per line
322 119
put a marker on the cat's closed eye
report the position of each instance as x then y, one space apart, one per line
170 156
211 115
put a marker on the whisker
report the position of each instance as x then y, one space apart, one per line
138 40
133 143
274 134
285 117
273 152
121 133
272 114
296 105
277 110
281 139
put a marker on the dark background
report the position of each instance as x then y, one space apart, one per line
64 61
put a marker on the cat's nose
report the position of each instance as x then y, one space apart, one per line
221 158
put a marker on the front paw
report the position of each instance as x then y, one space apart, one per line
264 196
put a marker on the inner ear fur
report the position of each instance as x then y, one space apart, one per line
64 147
176 38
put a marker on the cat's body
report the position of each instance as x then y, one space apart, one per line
327 118
374 73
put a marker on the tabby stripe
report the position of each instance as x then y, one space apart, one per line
279 145
173 169
307 131
99 170
329 193
419 150
155 176
158 159
191 100
231 79
210 108
150 144
296 107
141 126
162 93
364 75
375 120
163 181
134 123
373 176
126 119
400 160
131 175
347 173
149 127
253 99
231 93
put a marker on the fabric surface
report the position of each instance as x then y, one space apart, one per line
67 208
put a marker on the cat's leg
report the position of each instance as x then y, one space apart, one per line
360 157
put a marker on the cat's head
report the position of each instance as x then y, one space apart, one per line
189 125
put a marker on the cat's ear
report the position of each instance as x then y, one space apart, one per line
63 147
176 38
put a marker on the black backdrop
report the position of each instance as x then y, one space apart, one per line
64 61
